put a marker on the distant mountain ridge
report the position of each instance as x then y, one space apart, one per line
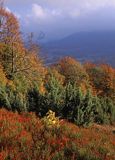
94 46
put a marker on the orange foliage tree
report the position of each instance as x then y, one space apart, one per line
23 67
102 78
14 57
73 72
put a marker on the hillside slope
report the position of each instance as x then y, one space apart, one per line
95 46
27 137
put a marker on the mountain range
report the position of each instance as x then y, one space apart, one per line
98 46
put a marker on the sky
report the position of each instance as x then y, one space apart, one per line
55 19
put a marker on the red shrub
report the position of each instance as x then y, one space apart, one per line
26 137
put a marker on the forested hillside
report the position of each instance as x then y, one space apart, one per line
96 46
83 94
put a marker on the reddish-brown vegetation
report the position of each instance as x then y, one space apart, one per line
26 137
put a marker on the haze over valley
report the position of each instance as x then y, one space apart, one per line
82 29
97 46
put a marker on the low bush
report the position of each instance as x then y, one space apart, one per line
26 137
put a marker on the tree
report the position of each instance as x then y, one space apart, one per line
3 79
14 57
78 108
73 72
104 112
11 51
102 79
54 93
22 67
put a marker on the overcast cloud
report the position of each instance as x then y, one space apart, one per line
58 18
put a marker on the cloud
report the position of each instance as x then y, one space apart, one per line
62 4
78 4
56 12
58 18
38 11
74 13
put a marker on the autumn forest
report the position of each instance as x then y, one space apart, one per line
62 111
